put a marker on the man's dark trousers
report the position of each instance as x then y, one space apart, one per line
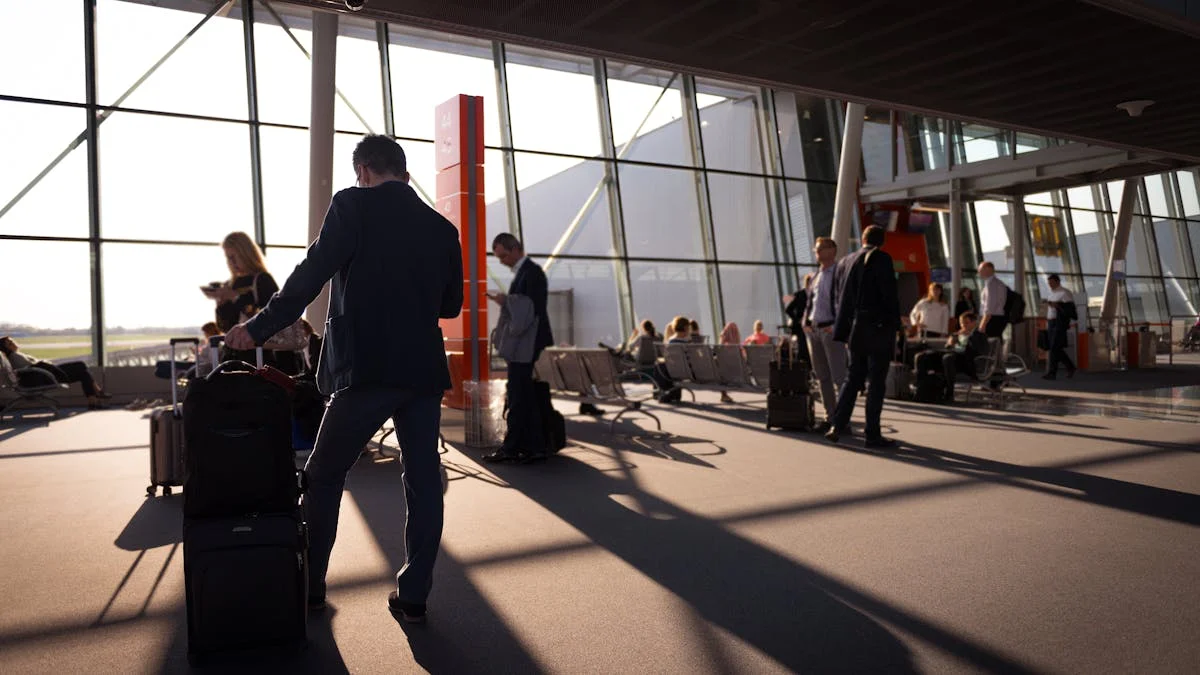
1057 330
869 368
995 329
352 418
525 433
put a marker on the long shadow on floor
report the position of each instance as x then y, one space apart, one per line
803 619
1156 502
464 633
630 438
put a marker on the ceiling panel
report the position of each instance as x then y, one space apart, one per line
1056 67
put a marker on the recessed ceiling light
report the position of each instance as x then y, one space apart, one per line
1135 108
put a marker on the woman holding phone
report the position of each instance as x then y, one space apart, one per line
248 289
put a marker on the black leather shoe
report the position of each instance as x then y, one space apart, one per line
501 456
823 427
880 442
407 612
832 435
590 409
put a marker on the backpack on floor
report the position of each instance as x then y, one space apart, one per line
931 388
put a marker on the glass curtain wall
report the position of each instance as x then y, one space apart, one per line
645 193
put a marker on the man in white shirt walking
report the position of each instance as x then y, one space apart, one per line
1060 312
828 357
991 302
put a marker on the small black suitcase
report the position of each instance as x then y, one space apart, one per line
246 582
553 423
238 431
790 402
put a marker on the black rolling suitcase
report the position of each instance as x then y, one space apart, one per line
790 403
246 582
245 543
238 429
553 423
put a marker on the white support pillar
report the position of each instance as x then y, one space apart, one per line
956 239
1116 255
320 141
846 199
1020 235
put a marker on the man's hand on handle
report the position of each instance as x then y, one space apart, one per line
239 338
498 298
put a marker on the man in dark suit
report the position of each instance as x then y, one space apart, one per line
868 317
525 439
396 266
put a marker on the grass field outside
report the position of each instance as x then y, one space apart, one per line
53 347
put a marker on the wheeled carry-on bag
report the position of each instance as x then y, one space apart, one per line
166 435
245 542
790 403
238 428
246 582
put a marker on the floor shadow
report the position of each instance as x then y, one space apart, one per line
634 439
803 619
51 453
1182 507
465 634
157 522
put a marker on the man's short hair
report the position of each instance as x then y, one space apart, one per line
1054 277
968 316
822 242
508 242
381 155
988 265
874 236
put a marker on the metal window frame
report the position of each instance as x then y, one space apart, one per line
616 214
704 202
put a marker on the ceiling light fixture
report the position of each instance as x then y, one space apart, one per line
1135 108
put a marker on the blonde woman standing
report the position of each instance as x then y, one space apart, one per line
932 313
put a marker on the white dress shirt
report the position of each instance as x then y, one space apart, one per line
1061 295
822 309
993 296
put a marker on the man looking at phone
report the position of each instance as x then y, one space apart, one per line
525 439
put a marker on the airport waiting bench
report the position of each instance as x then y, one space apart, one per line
718 367
592 376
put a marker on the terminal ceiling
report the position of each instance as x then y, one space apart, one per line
1055 67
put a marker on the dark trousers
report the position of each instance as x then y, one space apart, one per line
525 433
995 329
352 418
1057 332
74 371
866 369
952 364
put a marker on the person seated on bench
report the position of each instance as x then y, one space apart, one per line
694 335
680 332
759 336
64 373
962 349
187 369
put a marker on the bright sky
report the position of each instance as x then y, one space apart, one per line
184 180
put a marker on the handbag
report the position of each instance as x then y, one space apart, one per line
291 339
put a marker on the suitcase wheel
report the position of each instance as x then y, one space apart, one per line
167 491
151 490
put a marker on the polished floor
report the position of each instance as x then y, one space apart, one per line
1049 536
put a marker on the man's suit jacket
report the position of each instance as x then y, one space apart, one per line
396 266
880 298
531 282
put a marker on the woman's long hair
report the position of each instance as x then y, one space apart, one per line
247 252
939 297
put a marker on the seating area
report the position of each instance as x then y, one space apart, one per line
34 393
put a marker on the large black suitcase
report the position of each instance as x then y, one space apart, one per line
553 423
790 402
246 582
238 431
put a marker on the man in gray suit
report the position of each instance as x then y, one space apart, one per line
396 266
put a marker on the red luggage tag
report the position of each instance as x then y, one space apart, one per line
277 376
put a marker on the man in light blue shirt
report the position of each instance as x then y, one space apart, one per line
828 356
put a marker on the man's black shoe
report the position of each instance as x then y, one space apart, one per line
407 612
880 442
590 409
823 427
832 435
501 456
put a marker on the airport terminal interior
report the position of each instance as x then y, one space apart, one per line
658 159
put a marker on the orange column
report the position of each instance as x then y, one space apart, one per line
459 140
